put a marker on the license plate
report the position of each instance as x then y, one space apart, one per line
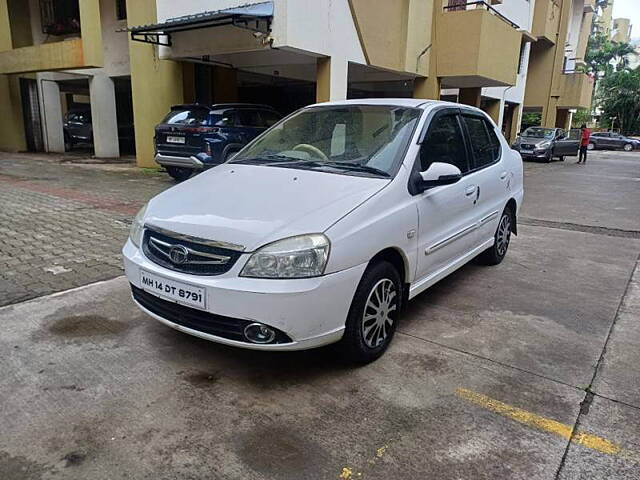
178 292
171 139
527 152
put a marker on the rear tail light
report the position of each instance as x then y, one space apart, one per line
201 129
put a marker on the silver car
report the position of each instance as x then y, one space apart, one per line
539 143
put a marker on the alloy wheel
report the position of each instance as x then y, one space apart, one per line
377 318
503 235
628 147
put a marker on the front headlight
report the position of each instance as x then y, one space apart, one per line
295 257
543 145
135 234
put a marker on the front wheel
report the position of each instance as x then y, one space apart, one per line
373 315
628 147
496 253
179 173
561 158
591 146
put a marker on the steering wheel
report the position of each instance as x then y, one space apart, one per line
311 150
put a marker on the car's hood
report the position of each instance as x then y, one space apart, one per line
534 140
254 205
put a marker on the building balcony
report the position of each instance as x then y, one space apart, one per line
546 18
73 52
575 90
476 46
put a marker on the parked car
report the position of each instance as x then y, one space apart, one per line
323 228
78 130
541 143
612 141
195 137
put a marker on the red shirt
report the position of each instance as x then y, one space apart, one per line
586 133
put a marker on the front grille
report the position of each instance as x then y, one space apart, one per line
527 146
225 327
197 258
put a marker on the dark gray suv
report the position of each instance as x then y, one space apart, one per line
612 141
539 143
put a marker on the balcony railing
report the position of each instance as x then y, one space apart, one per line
460 5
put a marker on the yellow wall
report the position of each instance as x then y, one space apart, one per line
156 84
12 137
621 27
546 18
323 79
476 44
577 89
394 33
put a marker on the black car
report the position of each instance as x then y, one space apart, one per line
195 137
545 143
78 130
612 141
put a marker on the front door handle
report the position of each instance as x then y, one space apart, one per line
470 190
503 175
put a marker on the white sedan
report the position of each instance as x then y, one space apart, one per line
321 229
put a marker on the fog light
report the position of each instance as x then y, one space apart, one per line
258 333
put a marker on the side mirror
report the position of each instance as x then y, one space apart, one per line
439 174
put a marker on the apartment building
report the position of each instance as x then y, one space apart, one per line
59 57
557 85
621 31
285 53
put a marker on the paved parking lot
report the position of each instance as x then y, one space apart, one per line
527 370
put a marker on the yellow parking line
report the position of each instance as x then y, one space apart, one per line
541 423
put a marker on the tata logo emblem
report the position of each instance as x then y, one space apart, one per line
178 254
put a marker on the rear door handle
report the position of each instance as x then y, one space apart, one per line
470 190
503 175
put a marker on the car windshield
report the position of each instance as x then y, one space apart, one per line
353 139
538 132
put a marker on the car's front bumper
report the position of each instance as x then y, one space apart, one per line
536 154
311 311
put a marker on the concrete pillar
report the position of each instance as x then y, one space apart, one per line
156 84
470 96
562 118
331 79
103 113
427 87
516 122
495 109
51 114
225 85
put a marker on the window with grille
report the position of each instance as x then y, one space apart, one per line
121 9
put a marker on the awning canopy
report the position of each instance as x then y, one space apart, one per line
255 17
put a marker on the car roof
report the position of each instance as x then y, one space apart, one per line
217 106
399 102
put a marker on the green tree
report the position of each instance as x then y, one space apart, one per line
619 97
582 116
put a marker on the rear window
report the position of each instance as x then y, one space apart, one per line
196 116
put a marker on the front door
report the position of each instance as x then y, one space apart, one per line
567 145
447 225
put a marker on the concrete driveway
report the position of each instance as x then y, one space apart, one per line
527 370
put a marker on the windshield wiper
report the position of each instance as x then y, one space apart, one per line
355 167
271 158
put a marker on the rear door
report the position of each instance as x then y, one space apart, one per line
568 143
488 173
250 122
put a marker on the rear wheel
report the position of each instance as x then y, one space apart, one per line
496 253
628 147
373 315
561 158
179 173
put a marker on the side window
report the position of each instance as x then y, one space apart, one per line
485 149
444 143
227 119
249 118
269 118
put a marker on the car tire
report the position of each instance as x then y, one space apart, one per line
627 147
179 173
548 158
591 146
496 253
561 158
369 330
